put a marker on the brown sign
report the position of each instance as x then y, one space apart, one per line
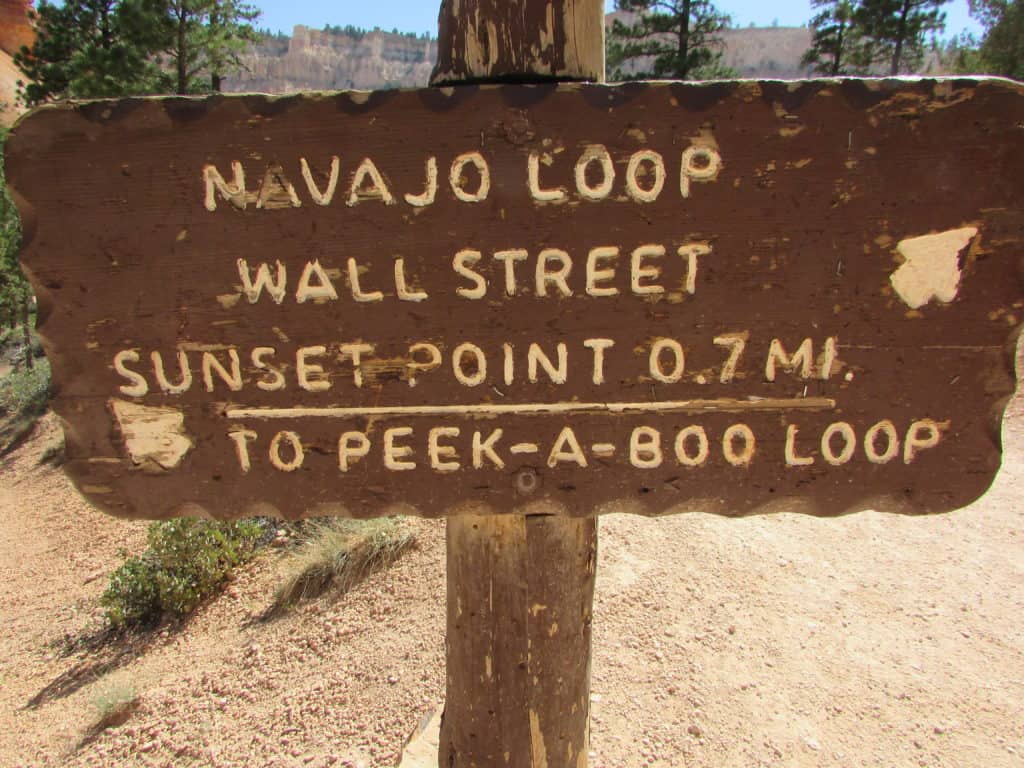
716 297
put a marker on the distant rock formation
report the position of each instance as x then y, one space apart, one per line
766 52
15 30
350 59
763 53
773 53
320 60
328 60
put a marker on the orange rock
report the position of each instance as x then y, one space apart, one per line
15 29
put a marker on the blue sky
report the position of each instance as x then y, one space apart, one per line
421 15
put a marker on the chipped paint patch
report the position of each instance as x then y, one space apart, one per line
638 135
152 435
539 753
931 267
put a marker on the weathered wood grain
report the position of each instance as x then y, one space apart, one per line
810 227
521 587
520 603
519 41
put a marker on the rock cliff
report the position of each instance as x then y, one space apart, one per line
15 31
325 60
754 52
766 52
350 59
320 60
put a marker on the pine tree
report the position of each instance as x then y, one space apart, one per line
896 30
837 47
960 54
110 48
91 49
230 32
680 38
1001 51
206 41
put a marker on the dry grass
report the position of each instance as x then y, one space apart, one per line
115 702
338 554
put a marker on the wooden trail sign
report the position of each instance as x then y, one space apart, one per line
645 297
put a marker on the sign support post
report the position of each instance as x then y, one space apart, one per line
520 594
520 587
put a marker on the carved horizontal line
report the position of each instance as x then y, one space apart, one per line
540 409
524 448
947 347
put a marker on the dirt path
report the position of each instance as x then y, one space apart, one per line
872 640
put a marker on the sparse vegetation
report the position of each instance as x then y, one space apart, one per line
187 561
339 553
115 701
358 33
25 391
16 320
54 453
24 396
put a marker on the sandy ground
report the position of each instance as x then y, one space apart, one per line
871 640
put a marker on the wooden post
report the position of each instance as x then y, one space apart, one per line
520 589
520 595
495 41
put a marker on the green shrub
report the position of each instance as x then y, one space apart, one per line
132 595
186 561
26 390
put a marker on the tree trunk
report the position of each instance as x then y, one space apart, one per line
215 78
105 37
838 58
684 41
901 33
182 54
26 328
